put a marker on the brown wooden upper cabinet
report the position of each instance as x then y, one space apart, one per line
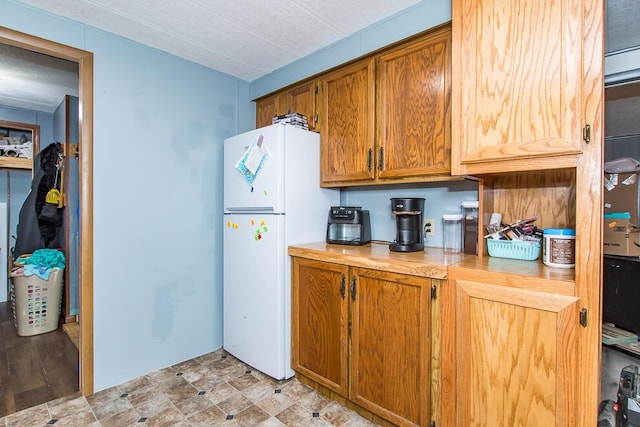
414 109
301 99
268 107
304 99
387 118
347 135
518 85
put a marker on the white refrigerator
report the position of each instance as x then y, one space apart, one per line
272 199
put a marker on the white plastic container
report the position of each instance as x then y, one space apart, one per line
452 232
559 247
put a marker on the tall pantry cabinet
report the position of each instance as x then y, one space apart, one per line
521 341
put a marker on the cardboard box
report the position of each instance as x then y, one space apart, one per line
621 194
621 237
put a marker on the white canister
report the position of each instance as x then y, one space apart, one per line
559 247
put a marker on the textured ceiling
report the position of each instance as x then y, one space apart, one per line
244 38
34 81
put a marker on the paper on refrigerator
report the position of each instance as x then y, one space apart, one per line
253 159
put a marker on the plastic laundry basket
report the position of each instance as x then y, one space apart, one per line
36 302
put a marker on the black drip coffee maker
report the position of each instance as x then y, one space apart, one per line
408 213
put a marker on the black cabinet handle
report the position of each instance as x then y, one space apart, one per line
343 286
369 159
353 288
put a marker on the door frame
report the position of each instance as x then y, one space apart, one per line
84 60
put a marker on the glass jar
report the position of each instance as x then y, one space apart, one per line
452 232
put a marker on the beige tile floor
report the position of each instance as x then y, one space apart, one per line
215 389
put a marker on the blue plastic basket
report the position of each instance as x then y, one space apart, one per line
527 250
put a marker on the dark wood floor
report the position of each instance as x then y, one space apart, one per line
34 369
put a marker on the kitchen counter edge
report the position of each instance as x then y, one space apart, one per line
431 262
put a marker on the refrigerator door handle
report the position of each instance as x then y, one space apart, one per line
262 209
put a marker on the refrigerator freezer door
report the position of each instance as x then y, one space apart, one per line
254 287
254 171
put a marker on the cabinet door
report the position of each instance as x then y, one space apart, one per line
268 107
414 109
319 322
511 354
518 80
303 99
390 341
347 135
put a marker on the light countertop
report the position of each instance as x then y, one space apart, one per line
432 262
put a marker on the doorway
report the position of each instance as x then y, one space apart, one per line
84 60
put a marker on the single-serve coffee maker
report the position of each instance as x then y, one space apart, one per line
408 213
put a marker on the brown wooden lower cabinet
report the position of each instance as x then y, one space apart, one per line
509 350
320 322
365 335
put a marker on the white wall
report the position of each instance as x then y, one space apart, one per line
159 123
